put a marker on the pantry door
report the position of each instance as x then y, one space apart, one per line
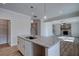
3 31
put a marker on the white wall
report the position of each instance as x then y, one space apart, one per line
43 28
20 24
75 29
47 29
47 26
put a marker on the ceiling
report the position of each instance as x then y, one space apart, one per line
51 10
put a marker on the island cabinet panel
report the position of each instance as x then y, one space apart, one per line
21 45
28 48
18 44
38 50
67 48
34 48
54 50
25 47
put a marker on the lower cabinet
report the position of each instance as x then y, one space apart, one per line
21 46
28 48
38 50
25 47
68 48
54 50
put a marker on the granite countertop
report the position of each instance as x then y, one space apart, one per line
43 41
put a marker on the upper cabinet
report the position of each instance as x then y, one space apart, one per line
65 26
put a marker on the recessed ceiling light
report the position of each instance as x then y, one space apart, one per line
45 17
35 16
31 6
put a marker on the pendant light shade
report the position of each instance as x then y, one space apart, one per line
45 17
31 21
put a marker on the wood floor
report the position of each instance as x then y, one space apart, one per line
6 50
67 49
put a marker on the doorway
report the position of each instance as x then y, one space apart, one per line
4 31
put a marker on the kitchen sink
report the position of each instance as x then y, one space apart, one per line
30 37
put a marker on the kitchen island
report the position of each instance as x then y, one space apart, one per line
46 46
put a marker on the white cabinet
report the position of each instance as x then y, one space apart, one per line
25 47
75 29
53 50
18 44
21 45
28 48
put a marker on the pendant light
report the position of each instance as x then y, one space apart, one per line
33 16
32 13
45 17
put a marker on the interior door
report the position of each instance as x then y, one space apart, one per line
3 31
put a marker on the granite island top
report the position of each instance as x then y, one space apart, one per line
43 41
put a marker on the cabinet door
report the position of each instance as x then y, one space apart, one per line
54 50
21 45
38 50
28 48
67 48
